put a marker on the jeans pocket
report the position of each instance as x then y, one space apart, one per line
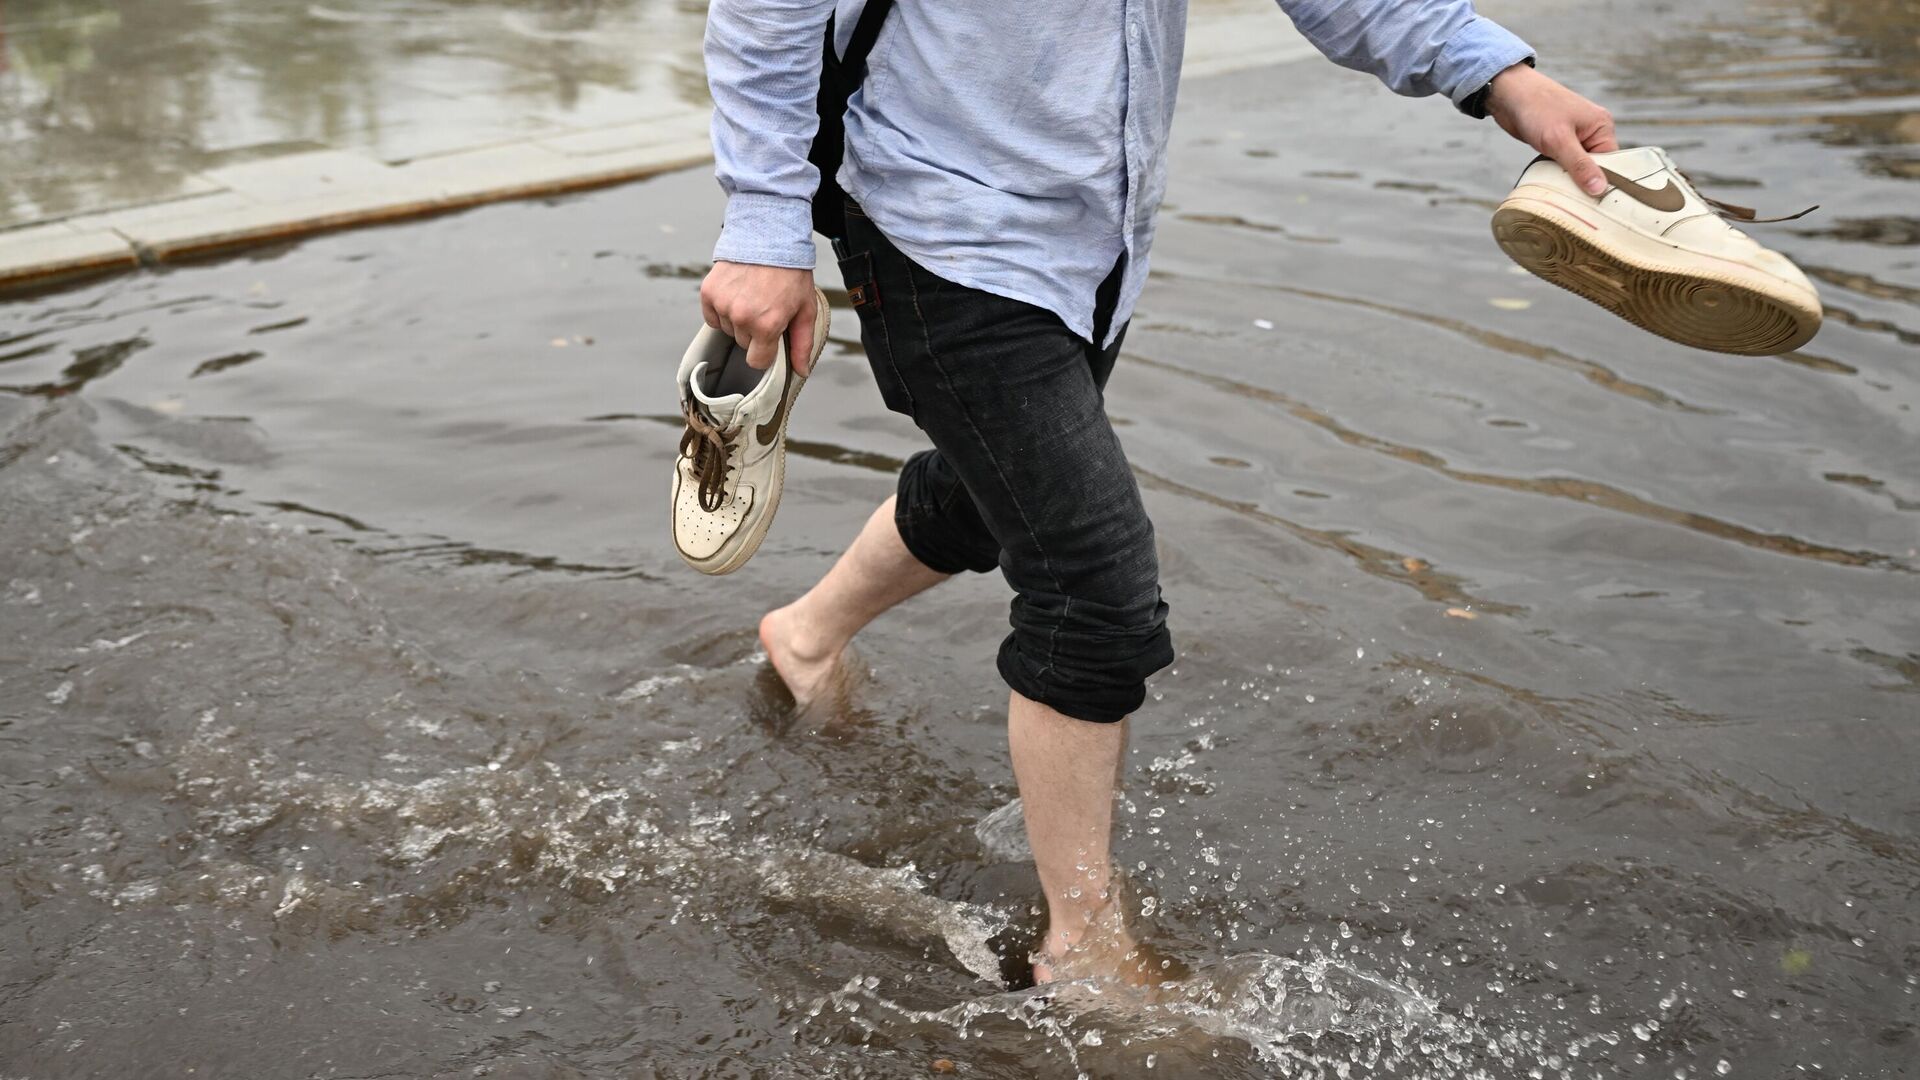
863 289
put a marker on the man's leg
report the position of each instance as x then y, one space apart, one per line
805 639
1012 401
1069 772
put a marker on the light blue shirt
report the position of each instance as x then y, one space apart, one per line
1018 148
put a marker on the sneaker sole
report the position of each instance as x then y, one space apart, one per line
1681 295
723 561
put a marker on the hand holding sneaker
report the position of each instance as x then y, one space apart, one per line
1555 121
732 462
756 305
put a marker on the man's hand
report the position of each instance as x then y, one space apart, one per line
1555 121
756 304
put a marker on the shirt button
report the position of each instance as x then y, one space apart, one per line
1133 30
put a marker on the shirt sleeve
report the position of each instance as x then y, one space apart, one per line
1416 47
763 70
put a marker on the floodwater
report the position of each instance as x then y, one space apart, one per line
1547 702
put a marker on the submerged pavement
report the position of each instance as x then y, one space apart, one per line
144 133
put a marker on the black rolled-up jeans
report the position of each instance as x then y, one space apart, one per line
1025 473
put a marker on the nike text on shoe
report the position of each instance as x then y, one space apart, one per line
733 457
1657 253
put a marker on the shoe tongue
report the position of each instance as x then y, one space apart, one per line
723 409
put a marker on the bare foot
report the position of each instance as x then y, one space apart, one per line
1105 952
809 668
1125 961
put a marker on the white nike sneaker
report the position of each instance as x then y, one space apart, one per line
1657 253
733 457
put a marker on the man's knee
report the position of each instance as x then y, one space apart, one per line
937 519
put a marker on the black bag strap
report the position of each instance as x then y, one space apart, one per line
865 32
840 76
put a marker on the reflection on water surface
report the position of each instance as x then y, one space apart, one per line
93 114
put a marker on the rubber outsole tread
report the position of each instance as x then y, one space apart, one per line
1705 311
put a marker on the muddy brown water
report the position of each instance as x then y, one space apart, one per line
1546 708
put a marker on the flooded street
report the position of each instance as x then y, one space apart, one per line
1548 702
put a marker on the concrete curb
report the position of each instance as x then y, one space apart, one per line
300 194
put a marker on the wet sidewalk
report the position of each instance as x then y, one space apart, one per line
140 133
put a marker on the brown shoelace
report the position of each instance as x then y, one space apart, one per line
712 453
1742 214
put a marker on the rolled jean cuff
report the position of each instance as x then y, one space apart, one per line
939 558
1105 685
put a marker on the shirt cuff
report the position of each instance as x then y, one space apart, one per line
767 230
1474 55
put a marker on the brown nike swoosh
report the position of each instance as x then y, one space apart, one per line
770 430
1666 199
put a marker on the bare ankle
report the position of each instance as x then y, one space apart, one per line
1080 933
797 636
807 660
1094 920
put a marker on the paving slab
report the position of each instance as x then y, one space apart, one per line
679 127
37 191
500 171
41 252
315 174
641 161
217 201
255 223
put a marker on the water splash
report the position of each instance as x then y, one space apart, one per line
1003 834
1313 1018
593 837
